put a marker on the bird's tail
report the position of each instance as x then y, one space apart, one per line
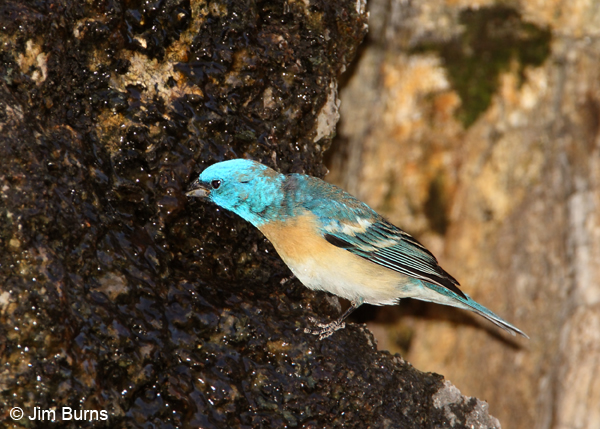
450 298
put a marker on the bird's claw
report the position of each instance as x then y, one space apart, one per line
325 329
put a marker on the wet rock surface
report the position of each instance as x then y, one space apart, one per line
117 293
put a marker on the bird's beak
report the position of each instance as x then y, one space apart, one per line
198 189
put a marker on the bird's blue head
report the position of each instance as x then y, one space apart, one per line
248 188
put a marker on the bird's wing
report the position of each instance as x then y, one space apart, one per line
384 244
350 224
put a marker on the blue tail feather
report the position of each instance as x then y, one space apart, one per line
455 300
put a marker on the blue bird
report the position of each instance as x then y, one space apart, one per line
333 242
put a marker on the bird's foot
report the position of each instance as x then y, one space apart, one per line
324 329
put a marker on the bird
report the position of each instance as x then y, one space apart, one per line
333 242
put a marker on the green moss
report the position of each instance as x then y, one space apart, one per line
492 38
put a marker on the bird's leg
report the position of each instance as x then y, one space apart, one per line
326 329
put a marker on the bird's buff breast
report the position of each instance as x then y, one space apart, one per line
319 265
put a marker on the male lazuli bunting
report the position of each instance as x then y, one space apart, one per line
333 242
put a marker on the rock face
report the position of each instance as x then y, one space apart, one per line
118 294
476 127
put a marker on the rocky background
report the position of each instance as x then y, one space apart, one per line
475 126
119 294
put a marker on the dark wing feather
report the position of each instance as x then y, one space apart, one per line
352 225
384 244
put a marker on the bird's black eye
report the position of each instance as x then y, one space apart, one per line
215 184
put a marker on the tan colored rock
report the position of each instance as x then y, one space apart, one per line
510 204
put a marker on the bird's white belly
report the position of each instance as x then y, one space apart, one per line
348 285
319 265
